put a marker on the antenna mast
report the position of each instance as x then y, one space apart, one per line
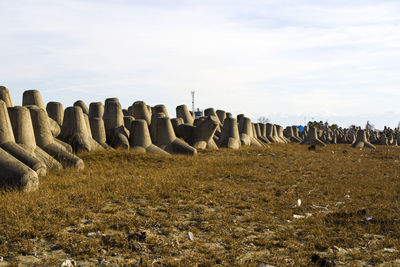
192 92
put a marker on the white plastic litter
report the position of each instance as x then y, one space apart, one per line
191 236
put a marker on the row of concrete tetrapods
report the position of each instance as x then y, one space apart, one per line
35 138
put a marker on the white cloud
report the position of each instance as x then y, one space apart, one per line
257 57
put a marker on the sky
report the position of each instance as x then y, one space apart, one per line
288 60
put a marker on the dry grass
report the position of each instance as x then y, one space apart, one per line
129 208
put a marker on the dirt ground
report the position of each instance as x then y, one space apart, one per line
282 206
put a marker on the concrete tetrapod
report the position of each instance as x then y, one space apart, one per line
383 140
83 106
246 133
230 134
261 133
15 174
48 143
296 133
139 110
362 140
128 121
221 115
279 132
312 138
96 112
33 97
288 133
211 112
160 108
182 111
201 135
116 133
75 131
165 138
139 139
7 142
5 96
55 110
153 125
21 123
204 133
270 133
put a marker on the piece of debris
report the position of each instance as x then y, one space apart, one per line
347 196
68 263
319 207
369 218
191 236
390 250
296 216
90 234
299 202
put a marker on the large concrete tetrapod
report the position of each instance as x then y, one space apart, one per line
139 110
75 131
15 174
160 109
33 97
139 139
201 135
96 112
83 106
211 112
288 133
204 133
55 110
116 133
5 96
153 125
261 133
48 143
128 121
270 133
312 138
296 133
362 140
230 134
21 123
183 112
221 115
7 142
246 133
165 138
279 132
383 140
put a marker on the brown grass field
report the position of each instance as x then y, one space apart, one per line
241 207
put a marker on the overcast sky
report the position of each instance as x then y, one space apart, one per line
288 60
